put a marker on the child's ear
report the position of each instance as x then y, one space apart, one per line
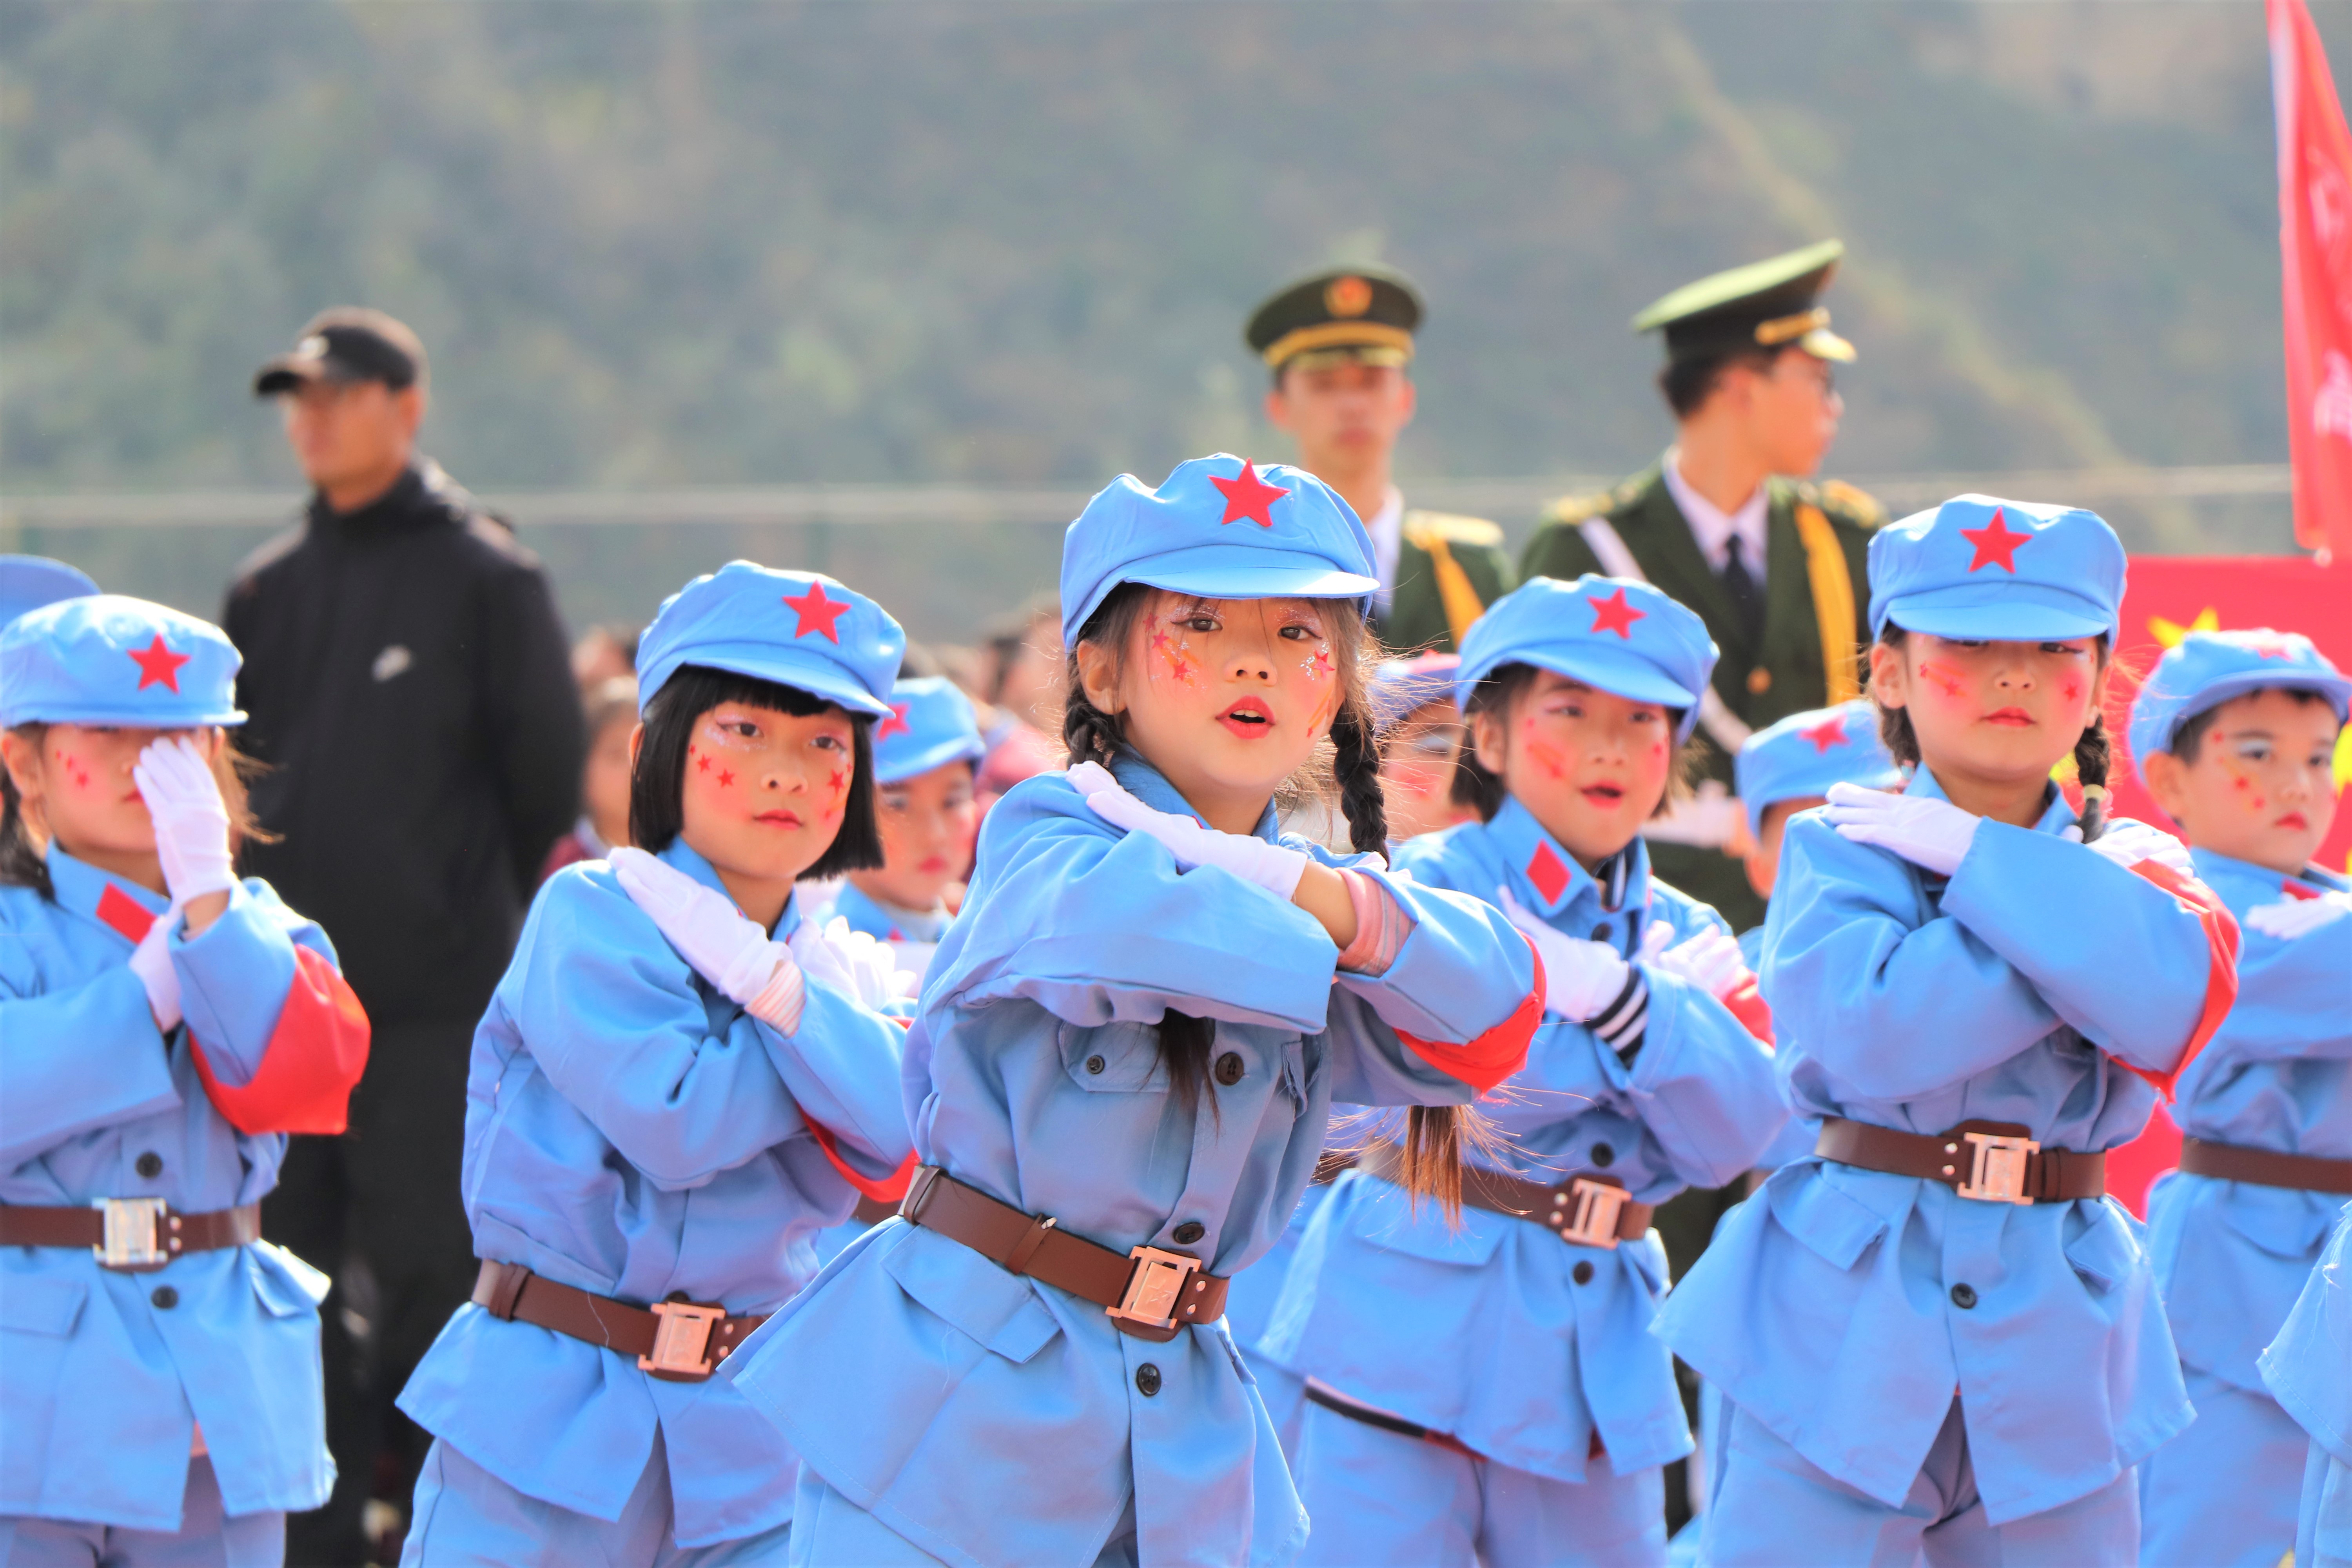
23 759
1490 739
1889 680
636 743
1098 677
2168 783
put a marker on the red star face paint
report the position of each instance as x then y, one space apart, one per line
2262 786
765 796
1996 717
1589 765
83 793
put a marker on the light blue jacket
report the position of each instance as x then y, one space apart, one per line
996 1420
100 1388
2016 992
634 1133
2308 1370
1483 1331
2231 1258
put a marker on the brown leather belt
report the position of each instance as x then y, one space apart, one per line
1589 1210
1149 1293
130 1236
677 1341
2265 1167
871 1212
1992 1162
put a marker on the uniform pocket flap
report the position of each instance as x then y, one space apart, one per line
1113 1058
1838 1225
41 1306
284 1284
972 1295
2103 1251
2282 1222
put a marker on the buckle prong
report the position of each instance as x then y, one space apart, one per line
1154 1287
1592 1219
681 1340
135 1234
1997 1168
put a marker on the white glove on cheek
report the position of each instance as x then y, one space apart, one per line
1933 835
2290 918
152 961
2128 841
191 819
1580 977
722 944
1269 865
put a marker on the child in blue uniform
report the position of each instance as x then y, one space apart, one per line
1789 767
2235 733
1124 1065
1488 1392
674 1089
1936 1338
2308 1369
166 1027
923 756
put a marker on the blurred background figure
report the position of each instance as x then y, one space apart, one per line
412 706
1421 743
603 652
1022 688
1339 345
924 755
612 710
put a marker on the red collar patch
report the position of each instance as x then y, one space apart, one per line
122 914
1545 870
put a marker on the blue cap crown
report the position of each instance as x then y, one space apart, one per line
1805 754
1399 686
29 582
800 629
1219 527
1614 633
2004 571
931 724
2206 670
104 658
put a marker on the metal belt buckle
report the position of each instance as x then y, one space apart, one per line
1997 1168
134 1234
1154 1287
681 1340
1593 1220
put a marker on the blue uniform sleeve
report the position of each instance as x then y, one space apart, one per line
841 1069
2295 997
75 1059
1701 1083
233 978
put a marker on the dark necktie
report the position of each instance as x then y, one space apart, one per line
1747 594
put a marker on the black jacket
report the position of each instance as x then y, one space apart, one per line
411 697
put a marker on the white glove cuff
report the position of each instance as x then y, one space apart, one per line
1278 871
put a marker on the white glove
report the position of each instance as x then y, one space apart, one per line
852 962
2128 841
1580 977
1710 961
2290 918
191 818
1270 865
725 946
1933 835
152 961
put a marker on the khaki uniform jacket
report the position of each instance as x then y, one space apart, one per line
1442 557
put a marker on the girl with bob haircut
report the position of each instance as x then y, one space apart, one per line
1123 1067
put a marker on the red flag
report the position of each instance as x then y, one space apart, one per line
2315 155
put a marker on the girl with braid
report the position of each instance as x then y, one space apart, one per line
1937 1339
1124 1064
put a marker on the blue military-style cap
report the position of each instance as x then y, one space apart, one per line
104 658
1220 527
2205 669
29 582
1805 754
800 629
1401 685
1614 633
931 724
2004 571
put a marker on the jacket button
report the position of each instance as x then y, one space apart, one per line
1604 1155
1230 1069
1147 1380
1094 1064
1964 1297
1601 932
166 1298
149 1165
1581 1273
1191 1231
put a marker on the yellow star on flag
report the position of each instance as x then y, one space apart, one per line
2169 633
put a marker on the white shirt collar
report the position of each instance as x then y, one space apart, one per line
1387 528
1712 527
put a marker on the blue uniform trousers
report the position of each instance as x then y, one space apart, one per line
2323 1526
1376 1496
831 1531
464 1517
1775 1508
206 1538
2224 1493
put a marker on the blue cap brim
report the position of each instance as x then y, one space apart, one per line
1620 673
955 749
1999 611
812 673
127 718
1239 571
2336 689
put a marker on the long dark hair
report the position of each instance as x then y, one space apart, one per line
1433 1134
2093 751
658 781
23 850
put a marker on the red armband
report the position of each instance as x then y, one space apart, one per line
310 1065
888 1190
1487 1060
2220 970
1747 1005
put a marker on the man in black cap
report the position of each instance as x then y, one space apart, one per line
411 699
1729 522
1339 344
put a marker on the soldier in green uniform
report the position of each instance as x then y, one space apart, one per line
1731 523
1341 347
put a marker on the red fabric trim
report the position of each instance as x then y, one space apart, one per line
310 1065
2291 888
2222 965
888 1190
122 914
1748 1005
1495 1055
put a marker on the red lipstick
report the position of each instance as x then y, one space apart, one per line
1249 717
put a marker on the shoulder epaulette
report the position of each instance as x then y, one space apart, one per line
1851 503
1453 529
1573 510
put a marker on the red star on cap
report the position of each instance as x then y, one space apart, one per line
158 665
1544 871
1995 545
1614 614
1830 732
896 724
817 612
1247 496
2268 645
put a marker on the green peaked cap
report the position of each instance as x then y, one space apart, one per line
1765 304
